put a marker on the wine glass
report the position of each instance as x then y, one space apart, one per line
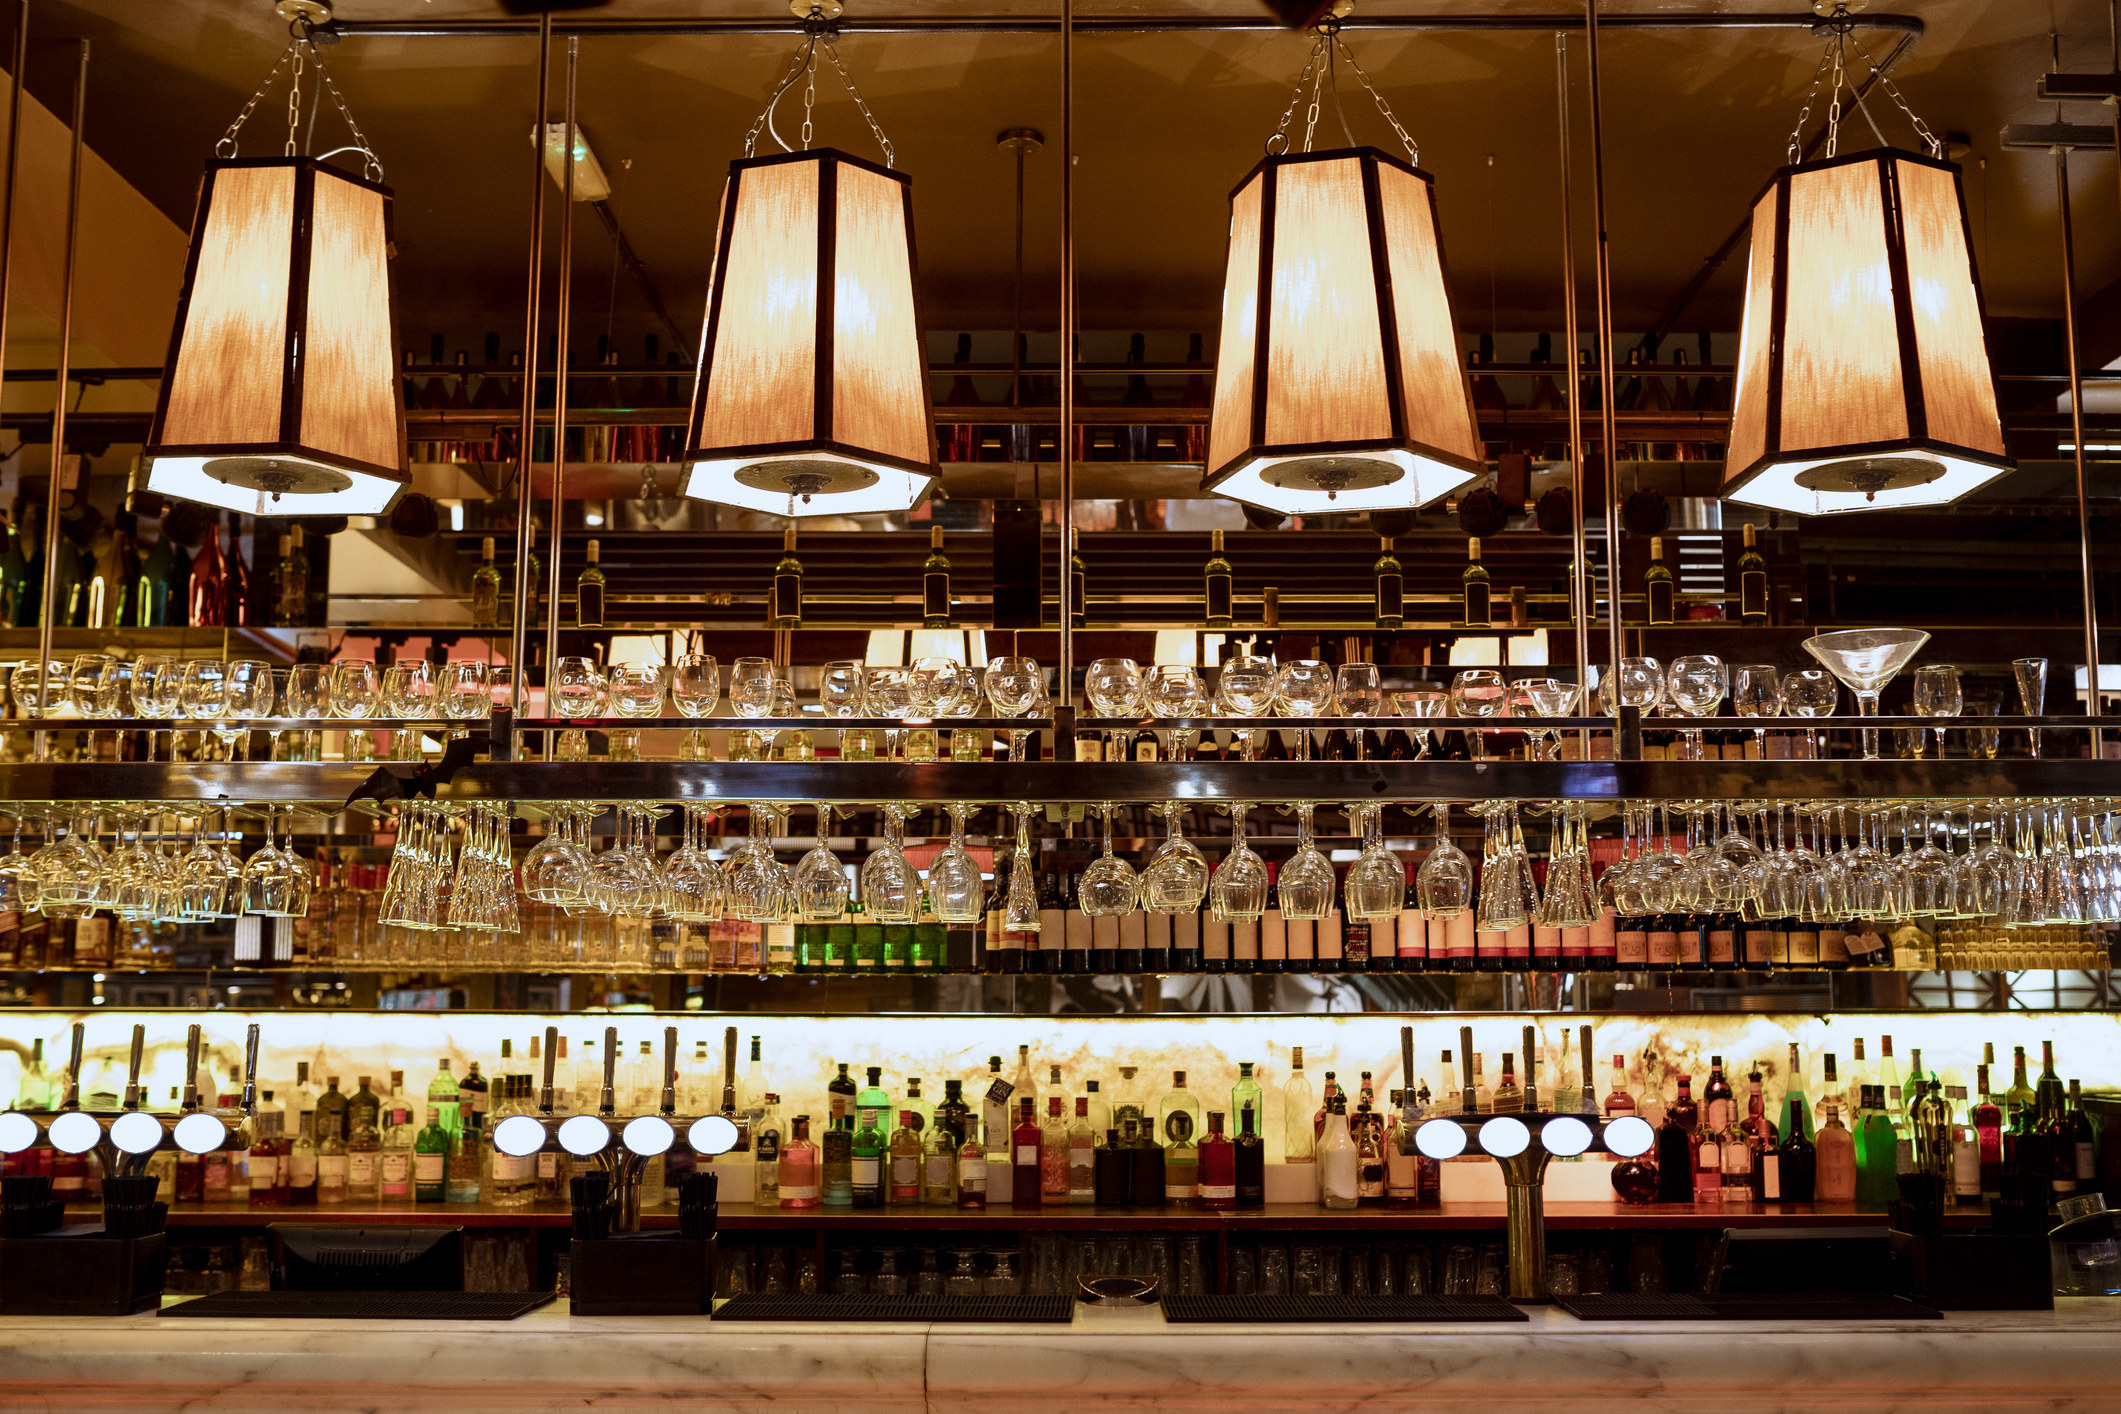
1174 690
1020 903
1423 705
751 686
1938 694
696 684
955 889
1756 691
38 694
697 891
578 689
276 882
891 886
1303 688
1303 886
2031 674
1810 692
1238 890
637 689
1479 693
86 688
821 888
1376 885
1695 684
1114 687
761 889
1176 878
1865 660
1244 687
1014 686
1109 888
466 695
1444 883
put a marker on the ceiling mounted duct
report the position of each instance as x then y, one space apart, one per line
279 396
1863 372
1339 385
812 397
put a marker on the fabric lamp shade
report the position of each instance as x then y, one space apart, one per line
279 396
812 396
1338 384
1863 371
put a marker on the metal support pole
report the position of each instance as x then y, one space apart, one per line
66 334
2076 423
1581 598
1608 439
519 628
1064 695
559 371
14 163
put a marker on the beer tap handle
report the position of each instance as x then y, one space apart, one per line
132 1076
250 1072
72 1101
670 1070
552 1046
608 1103
1468 1102
1531 1076
1590 1091
729 1071
1407 1104
191 1068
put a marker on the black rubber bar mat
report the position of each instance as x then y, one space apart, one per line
1746 1306
1049 1310
1230 1310
364 1305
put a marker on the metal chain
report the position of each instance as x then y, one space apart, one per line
1796 146
1281 129
809 98
302 51
1922 129
803 65
890 153
294 98
228 139
1833 113
1413 151
1318 85
765 118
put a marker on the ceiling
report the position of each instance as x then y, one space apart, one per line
1166 124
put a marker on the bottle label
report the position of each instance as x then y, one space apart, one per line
1391 597
1833 945
1219 597
787 596
429 1168
935 595
1663 948
332 1170
867 1172
548 1165
905 1171
1630 945
1027 1154
972 1174
1179 1192
1722 945
302 1170
507 1168
999 1092
1478 607
1752 594
360 1168
798 1192
1716 1115
1218 1190
2087 1162
1660 594
1759 946
1804 946
1771 1178
589 605
264 1170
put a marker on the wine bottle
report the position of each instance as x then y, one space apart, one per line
1657 584
485 588
589 592
1391 585
936 608
1217 575
788 585
291 583
1475 587
1752 582
206 598
236 585
1078 613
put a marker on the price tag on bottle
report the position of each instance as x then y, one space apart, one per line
1000 1091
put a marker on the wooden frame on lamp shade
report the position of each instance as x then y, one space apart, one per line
1338 384
281 395
1863 372
812 395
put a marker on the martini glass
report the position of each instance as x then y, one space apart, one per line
1865 659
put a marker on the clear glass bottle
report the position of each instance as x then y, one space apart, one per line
972 1171
332 1164
1337 1157
485 588
364 1167
798 1185
1179 1101
1053 1153
837 1163
1082 1155
939 1148
1299 1139
589 592
466 1164
905 1179
766 1153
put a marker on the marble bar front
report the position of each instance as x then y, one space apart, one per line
2063 1360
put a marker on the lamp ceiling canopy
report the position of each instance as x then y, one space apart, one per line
1863 372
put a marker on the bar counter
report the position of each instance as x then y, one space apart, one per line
1130 1359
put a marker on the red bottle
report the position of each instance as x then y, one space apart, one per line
1024 1189
206 597
1218 1166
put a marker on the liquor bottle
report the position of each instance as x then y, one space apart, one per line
1025 1146
1181 1162
331 1112
1338 1159
1299 1138
364 1164
1799 1157
1739 1157
1113 1166
972 1173
937 609
904 1185
1082 1155
1147 1165
331 1161
1218 603
1391 586
1834 1157
237 613
836 1163
1369 1160
766 1153
1246 1093
475 1095
839 1096
1475 589
298 1160
1658 587
1718 1102
1178 1102
1249 1160
589 592
1617 1099
1877 1150
1752 582
466 1166
364 1103
111 577
787 585
1053 1153
1509 1099
797 1184
1022 1082
1708 1163
1675 1148
2018 1100
444 1098
1759 1130
923 1112
430 1160
2078 1140
2050 1096
867 1157
1218 1166
485 588
1078 608
268 1185
873 1104
954 1114
1145 746
149 604
400 1131
1795 1113
1966 1148
1888 1080
206 592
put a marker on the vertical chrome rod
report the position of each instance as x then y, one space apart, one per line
559 379
1609 443
2076 424
1064 689
519 627
62 372
1581 597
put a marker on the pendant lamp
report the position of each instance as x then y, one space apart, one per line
812 397
279 396
1863 372
1339 385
